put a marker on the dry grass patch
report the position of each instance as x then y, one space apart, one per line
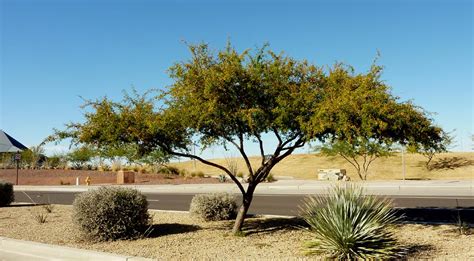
178 236
455 165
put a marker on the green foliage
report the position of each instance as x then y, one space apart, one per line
348 225
363 119
79 157
6 193
111 213
32 157
222 178
215 206
57 161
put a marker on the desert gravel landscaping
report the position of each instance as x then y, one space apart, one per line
180 236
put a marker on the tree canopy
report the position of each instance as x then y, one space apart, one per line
227 97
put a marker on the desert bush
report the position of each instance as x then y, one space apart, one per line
348 225
79 157
103 167
116 165
214 206
270 178
48 208
199 174
40 217
6 193
169 170
111 213
222 178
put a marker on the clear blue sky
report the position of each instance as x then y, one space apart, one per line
54 51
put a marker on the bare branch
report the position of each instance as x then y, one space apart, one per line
278 136
242 152
187 155
262 151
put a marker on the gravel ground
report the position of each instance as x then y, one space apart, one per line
179 236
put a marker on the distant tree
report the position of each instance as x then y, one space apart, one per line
429 148
80 156
230 97
32 157
360 153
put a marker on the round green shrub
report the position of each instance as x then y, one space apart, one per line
111 213
6 193
214 206
349 225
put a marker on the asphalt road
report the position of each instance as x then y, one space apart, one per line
262 204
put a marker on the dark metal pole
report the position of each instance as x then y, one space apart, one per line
17 165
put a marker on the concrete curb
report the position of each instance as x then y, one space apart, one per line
28 250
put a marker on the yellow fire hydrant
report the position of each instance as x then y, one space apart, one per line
88 180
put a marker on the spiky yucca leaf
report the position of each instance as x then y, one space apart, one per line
349 225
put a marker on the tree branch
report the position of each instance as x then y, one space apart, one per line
354 164
242 152
187 155
278 137
262 152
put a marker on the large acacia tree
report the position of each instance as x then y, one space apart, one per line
228 98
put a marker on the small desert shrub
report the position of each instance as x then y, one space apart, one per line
48 208
348 225
222 178
240 174
103 167
6 193
111 213
39 217
270 178
200 174
116 165
183 173
169 170
215 206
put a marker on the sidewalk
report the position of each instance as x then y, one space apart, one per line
21 250
398 187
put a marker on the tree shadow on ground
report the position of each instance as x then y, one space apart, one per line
270 225
159 230
413 250
450 163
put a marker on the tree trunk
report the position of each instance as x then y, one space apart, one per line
246 201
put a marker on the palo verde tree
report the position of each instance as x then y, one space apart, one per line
224 98
364 120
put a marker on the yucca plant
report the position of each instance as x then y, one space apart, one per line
349 225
